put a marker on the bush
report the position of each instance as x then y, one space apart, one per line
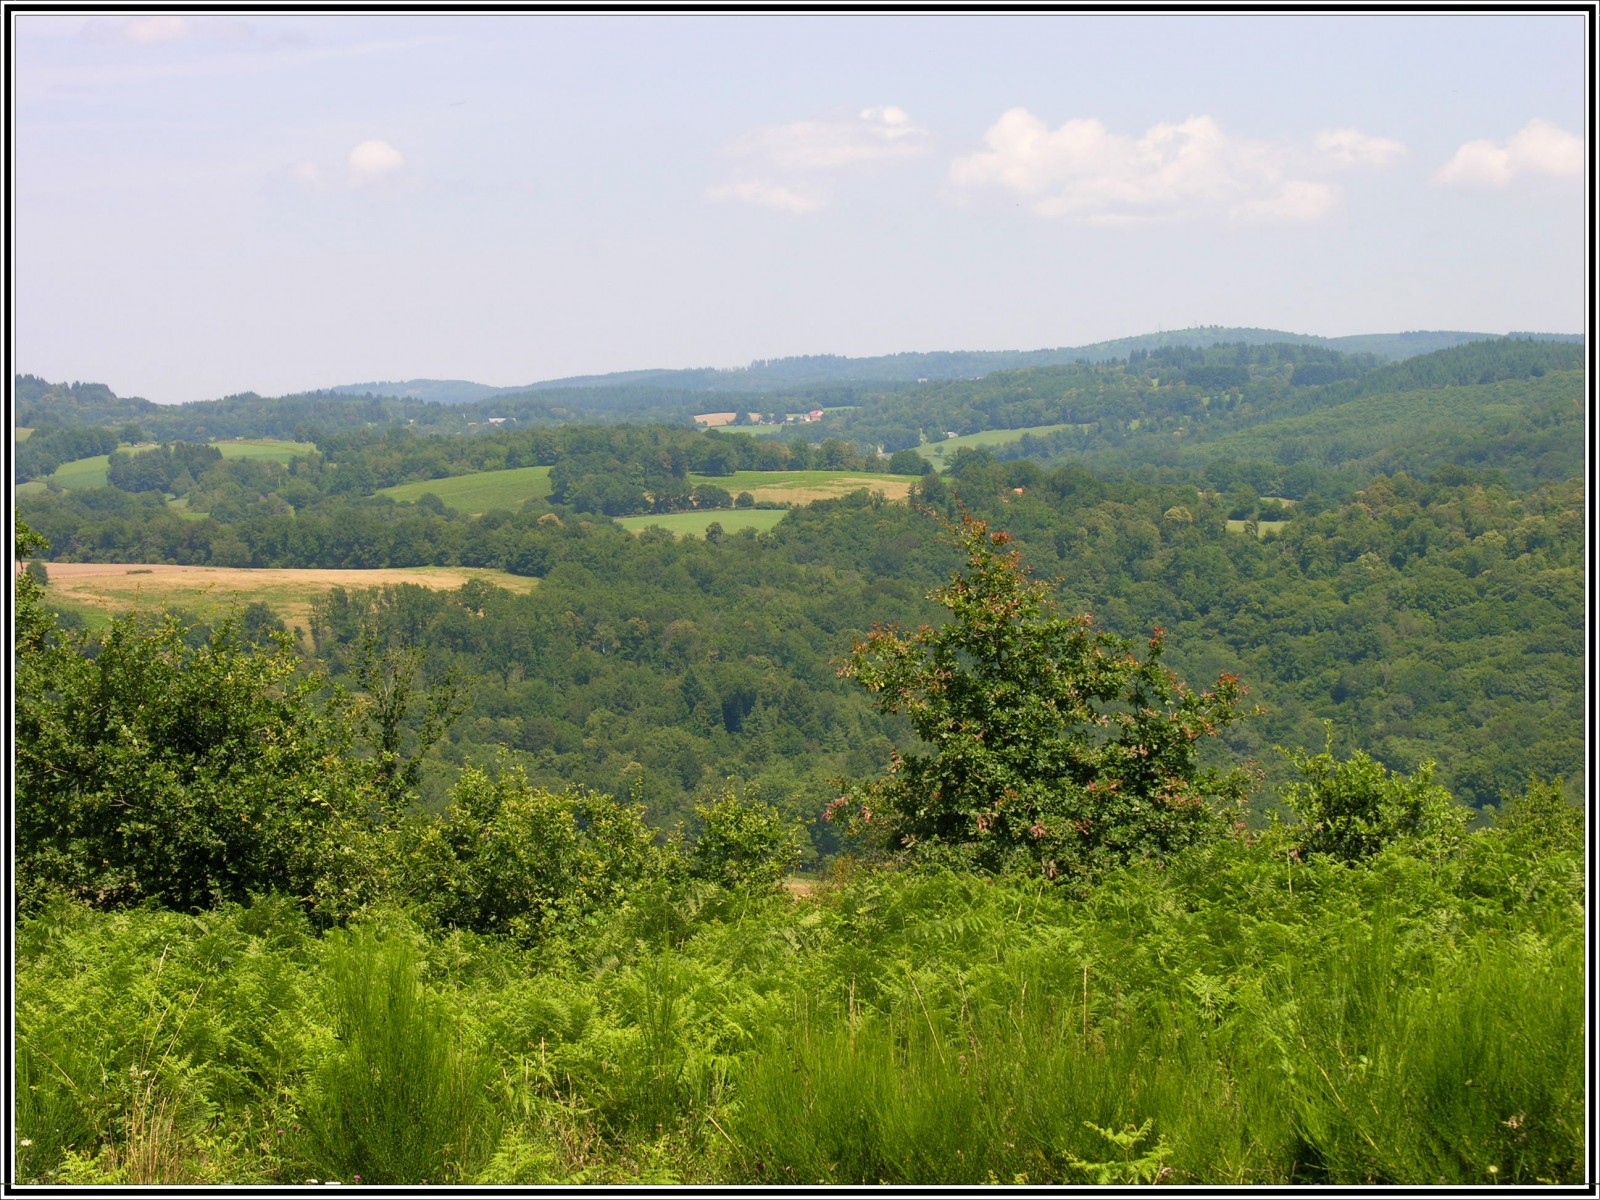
1354 809
187 775
403 1099
509 858
743 843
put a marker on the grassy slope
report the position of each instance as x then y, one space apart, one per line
935 451
91 472
482 491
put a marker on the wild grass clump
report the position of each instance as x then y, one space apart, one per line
404 1098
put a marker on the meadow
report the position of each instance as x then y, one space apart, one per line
510 488
802 487
938 451
91 472
481 492
97 591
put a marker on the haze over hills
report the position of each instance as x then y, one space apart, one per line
765 375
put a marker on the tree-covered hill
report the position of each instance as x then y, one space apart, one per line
809 371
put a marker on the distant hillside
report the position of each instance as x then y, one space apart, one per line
435 391
822 380
813 370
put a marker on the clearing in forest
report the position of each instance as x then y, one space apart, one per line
480 492
109 588
91 472
802 487
937 451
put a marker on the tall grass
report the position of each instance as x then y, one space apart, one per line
405 1097
1234 1019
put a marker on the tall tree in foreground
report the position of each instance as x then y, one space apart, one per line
1047 738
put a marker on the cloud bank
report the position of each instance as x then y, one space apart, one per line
1083 171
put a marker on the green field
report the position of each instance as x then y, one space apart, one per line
22 434
693 524
267 448
479 492
80 473
936 451
91 472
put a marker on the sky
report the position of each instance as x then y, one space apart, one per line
207 204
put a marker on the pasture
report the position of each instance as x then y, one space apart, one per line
937 451
802 487
91 472
480 492
101 590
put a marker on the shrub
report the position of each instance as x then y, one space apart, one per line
1353 809
509 858
743 843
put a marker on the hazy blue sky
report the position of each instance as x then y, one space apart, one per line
278 201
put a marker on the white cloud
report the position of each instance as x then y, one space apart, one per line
767 195
1352 148
372 160
828 144
1083 171
1538 148
306 173
779 164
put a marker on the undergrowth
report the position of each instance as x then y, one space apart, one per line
1237 1018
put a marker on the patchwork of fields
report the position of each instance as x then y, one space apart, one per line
511 488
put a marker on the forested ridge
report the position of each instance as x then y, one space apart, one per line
1197 748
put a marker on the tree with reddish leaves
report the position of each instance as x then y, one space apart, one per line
1048 740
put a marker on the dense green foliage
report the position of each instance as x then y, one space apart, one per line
1045 734
482 887
159 771
1409 613
1263 1020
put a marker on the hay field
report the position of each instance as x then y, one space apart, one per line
110 588
802 487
